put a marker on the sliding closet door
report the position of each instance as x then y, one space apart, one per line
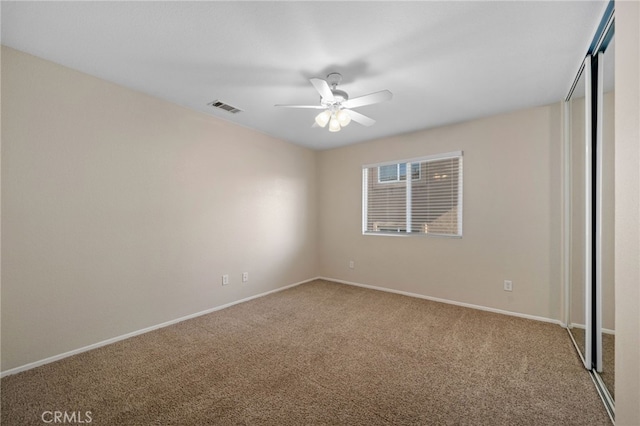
590 210
580 247
605 315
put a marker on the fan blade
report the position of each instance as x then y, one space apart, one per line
301 106
371 98
359 118
315 124
323 88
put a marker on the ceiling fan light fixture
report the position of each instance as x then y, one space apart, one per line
338 108
334 124
323 118
343 118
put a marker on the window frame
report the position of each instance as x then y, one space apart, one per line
429 158
398 173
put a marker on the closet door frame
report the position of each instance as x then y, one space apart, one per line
584 72
588 216
598 163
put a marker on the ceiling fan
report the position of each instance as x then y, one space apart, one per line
337 106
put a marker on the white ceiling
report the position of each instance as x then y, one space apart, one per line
445 62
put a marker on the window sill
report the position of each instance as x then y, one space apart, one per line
410 235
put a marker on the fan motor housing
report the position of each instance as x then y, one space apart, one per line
339 96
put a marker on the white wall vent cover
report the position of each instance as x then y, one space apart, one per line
221 105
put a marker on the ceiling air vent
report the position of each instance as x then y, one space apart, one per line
224 106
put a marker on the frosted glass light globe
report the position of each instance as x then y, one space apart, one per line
343 118
323 118
334 124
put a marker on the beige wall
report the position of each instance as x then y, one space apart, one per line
511 216
121 211
627 215
118 212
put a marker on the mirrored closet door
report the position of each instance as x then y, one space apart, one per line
604 215
580 301
590 211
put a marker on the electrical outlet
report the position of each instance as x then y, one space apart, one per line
352 264
225 279
245 277
508 285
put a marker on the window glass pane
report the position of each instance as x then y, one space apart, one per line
388 173
434 200
403 171
386 203
415 171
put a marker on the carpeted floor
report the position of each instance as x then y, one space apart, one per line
321 353
608 373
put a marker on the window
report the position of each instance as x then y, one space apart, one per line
397 172
428 203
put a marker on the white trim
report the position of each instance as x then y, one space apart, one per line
455 155
410 235
443 156
588 232
605 30
566 214
408 186
598 237
582 326
58 357
448 301
410 165
605 396
460 192
365 198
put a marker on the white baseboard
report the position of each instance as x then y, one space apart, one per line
582 326
217 308
450 302
48 360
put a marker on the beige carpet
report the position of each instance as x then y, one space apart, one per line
322 353
608 373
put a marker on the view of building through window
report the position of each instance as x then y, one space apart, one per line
428 203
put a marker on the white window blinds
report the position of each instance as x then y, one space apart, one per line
430 202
